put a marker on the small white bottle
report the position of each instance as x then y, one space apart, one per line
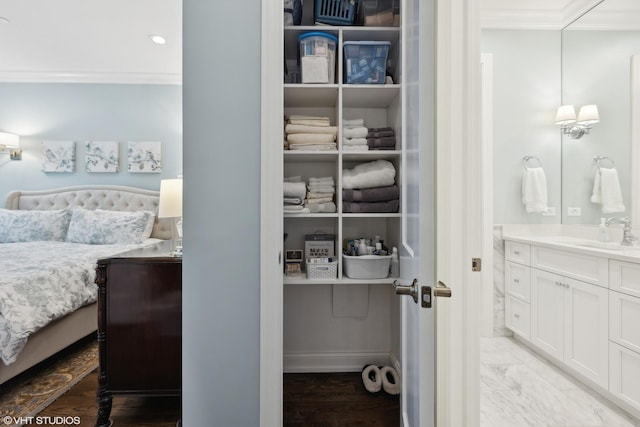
603 231
395 263
362 248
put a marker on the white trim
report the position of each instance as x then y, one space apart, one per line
334 362
89 77
635 141
487 195
271 227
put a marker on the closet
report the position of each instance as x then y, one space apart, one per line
341 324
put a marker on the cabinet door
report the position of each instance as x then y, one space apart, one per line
625 371
586 330
547 309
517 316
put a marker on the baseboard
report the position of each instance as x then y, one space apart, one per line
333 362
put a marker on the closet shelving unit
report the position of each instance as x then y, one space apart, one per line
380 105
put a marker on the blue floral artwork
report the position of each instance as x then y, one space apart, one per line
102 156
145 157
58 156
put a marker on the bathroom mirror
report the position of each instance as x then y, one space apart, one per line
598 50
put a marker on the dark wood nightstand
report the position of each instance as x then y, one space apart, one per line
139 325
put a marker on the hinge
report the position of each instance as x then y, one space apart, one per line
476 264
279 258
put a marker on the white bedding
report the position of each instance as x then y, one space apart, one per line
43 281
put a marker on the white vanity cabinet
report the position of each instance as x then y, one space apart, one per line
517 288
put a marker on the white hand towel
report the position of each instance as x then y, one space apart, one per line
606 190
359 132
534 190
353 123
354 141
295 189
293 129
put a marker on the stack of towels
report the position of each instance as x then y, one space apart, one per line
354 135
320 195
309 133
381 139
606 191
370 187
294 190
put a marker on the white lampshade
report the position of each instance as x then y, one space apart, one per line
588 115
566 114
9 140
170 198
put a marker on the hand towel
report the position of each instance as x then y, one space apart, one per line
355 148
534 190
325 180
319 195
308 202
377 194
314 147
390 206
378 173
606 190
359 132
384 142
303 117
294 189
380 132
328 207
310 138
355 123
293 209
322 189
310 122
354 141
293 129
292 201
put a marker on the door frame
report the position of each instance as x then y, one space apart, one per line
459 213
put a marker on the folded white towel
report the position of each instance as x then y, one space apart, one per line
310 122
534 190
291 129
355 148
355 123
359 132
606 190
303 117
310 138
354 141
321 180
328 207
308 202
294 189
297 209
314 147
378 173
319 195
295 178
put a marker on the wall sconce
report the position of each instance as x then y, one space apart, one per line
10 144
576 128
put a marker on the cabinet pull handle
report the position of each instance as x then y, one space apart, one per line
558 283
517 316
516 252
516 280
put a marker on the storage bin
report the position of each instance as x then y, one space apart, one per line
366 61
366 266
335 12
322 270
378 13
317 57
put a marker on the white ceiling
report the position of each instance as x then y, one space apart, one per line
90 41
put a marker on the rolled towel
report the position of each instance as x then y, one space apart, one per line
360 132
294 189
534 190
293 129
378 173
606 191
376 194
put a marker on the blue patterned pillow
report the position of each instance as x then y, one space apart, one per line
33 225
101 227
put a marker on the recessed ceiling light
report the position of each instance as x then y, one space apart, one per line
157 39
3 20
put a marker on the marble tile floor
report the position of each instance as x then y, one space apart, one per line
518 388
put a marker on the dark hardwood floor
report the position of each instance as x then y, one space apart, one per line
336 400
310 400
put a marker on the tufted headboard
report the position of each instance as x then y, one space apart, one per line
109 197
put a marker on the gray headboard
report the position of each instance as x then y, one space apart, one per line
109 197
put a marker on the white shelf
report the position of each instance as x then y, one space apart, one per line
310 155
311 215
299 281
366 156
371 215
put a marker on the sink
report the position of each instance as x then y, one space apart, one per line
609 246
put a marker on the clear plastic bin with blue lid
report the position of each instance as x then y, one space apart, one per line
317 57
365 62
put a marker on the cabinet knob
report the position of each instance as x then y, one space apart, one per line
516 280
516 252
517 316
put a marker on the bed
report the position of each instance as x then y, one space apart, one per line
38 260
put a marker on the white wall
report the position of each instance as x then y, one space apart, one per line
526 82
86 112
221 264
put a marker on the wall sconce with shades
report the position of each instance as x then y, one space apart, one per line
574 127
170 206
10 144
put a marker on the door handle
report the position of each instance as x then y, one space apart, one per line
411 290
442 290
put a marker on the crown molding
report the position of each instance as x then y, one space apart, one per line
90 77
509 14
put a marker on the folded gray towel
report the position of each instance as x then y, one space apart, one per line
380 132
388 142
390 206
376 194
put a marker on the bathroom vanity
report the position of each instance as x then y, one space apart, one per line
577 302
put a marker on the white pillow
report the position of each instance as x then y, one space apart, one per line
102 227
33 225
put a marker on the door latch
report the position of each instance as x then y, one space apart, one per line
476 264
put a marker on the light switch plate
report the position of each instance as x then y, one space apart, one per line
574 211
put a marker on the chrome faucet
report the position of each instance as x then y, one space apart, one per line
628 238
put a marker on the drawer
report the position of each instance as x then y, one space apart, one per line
624 318
517 316
624 371
588 268
517 252
624 277
518 280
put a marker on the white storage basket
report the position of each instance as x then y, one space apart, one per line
322 270
367 266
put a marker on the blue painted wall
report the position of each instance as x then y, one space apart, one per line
86 112
221 276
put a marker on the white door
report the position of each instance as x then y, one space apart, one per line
417 252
